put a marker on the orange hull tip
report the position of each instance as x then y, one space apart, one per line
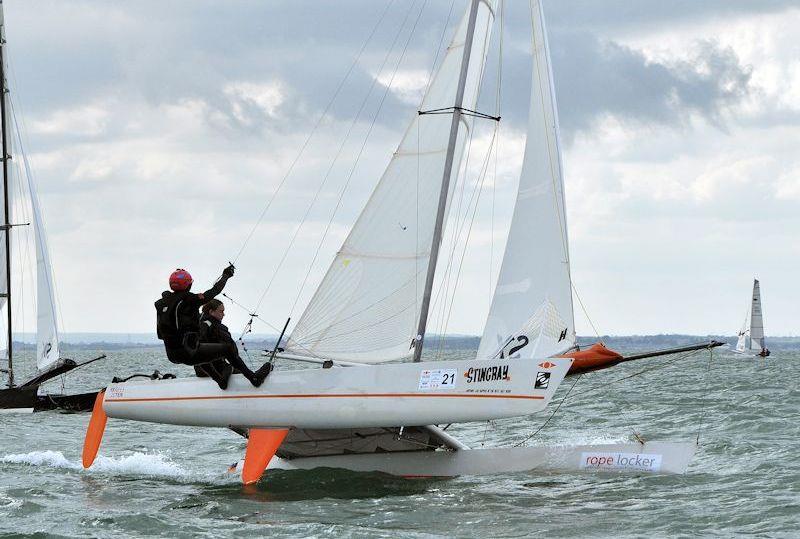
261 447
594 358
94 432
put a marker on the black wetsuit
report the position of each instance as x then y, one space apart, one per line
214 331
182 343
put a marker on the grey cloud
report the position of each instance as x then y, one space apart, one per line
642 15
595 78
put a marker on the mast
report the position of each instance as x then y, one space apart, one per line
6 226
448 171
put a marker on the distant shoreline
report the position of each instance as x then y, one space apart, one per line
116 341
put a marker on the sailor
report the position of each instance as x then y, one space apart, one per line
212 330
178 325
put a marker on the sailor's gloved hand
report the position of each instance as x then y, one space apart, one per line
228 272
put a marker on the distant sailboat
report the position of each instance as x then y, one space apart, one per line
751 337
19 193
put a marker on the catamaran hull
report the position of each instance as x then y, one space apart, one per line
18 399
353 397
650 457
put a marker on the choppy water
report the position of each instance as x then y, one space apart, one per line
154 480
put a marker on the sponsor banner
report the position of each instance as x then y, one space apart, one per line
621 461
437 379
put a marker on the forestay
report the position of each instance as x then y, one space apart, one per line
367 307
531 313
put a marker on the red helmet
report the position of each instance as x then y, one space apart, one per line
180 280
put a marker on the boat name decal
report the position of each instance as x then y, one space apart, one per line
487 374
115 392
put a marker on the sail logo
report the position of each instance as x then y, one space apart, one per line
542 380
547 365
487 374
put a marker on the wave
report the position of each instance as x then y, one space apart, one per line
151 464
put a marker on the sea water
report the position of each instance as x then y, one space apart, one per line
164 481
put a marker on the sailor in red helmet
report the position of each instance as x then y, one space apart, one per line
178 325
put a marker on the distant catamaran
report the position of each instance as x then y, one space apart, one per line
751 337
18 198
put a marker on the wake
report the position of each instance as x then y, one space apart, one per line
148 464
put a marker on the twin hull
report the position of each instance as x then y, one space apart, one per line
348 397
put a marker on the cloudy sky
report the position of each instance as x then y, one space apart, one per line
159 130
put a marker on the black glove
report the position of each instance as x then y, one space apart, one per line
228 272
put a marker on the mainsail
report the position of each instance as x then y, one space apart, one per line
47 351
531 313
756 319
367 307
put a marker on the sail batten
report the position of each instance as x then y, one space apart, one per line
532 312
368 305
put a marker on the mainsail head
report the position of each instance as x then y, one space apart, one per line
534 281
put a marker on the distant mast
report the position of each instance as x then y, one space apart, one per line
6 226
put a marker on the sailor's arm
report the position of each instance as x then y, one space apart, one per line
215 290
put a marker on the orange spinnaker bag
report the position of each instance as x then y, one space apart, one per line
261 447
594 358
94 432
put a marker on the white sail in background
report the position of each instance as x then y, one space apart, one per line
531 312
368 304
741 343
756 319
47 351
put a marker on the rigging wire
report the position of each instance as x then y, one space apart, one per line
469 233
603 386
416 192
327 175
358 156
21 130
444 288
314 129
497 146
551 416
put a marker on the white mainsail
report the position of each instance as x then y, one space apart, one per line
367 307
47 351
531 313
756 319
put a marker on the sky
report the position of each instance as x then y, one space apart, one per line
158 131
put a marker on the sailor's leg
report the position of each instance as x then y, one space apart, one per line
210 351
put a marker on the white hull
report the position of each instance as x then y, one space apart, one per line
650 457
352 397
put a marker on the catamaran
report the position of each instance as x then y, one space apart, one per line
751 336
356 412
20 200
